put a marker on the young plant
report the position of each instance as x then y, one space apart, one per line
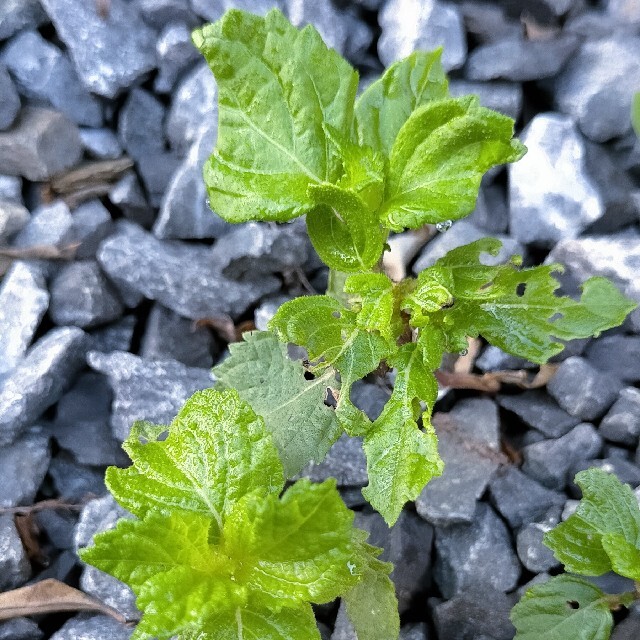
602 535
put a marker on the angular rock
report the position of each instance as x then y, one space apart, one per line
482 614
168 336
345 462
91 225
140 124
74 482
156 171
20 14
23 302
109 55
158 13
211 11
13 218
370 398
598 84
463 232
81 296
408 546
11 189
533 553
617 355
9 100
194 106
476 555
185 213
495 359
114 337
549 461
40 144
468 442
44 74
569 201
267 309
58 526
628 629
505 97
98 515
520 60
101 143
489 22
175 53
622 422
40 379
128 196
520 499
20 629
536 409
23 466
92 627
112 592
50 225
182 277
408 25
625 471
82 423
15 568
582 390
343 629
146 389
415 631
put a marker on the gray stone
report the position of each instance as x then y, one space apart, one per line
185 213
13 218
158 13
23 302
617 356
343 629
156 171
114 337
15 568
505 97
533 553
625 471
110 591
536 409
40 379
109 55
481 614
9 100
408 546
476 555
20 629
414 631
569 201
260 248
101 143
81 296
93 627
582 390
182 277
408 25
23 466
50 225
345 462
520 60
469 444
175 53
140 124
75 482
91 225
146 389
194 106
211 11
19 14
460 233
598 84
82 423
489 22
44 74
495 359
628 629
128 196
11 189
370 398
40 144
550 461
520 499
622 422
267 309
98 515
58 525
169 336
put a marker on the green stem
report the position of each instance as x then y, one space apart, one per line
335 285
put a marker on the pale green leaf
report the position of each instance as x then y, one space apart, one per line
217 451
402 457
516 310
607 507
439 158
625 557
302 427
278 88
386 104
635 113
563 608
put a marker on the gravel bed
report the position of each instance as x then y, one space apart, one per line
141 285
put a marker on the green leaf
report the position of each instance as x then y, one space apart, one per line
439 158
302 427
401 457
625 557
516 310
278 88
386 104
371 605
607 507
343 230
563 608
635 113
332 337
295 548
216 452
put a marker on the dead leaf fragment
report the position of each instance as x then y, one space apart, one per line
492 382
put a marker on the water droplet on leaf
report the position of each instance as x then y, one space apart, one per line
464 352
443 226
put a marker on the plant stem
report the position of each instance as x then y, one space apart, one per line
335 285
